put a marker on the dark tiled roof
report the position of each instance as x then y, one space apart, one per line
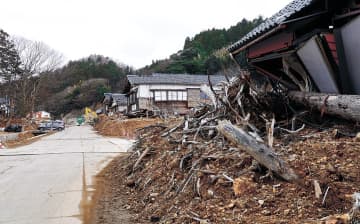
176 79
272 22
119 98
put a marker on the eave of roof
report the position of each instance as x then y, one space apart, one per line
271 23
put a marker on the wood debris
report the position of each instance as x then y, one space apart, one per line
249 157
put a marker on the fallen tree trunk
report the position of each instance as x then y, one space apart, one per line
345 106
260 152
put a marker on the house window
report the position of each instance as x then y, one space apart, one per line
170 95
182 95
133 107
173 96
184 98
160 96
163 95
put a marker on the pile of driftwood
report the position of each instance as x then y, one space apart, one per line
241 120
245 117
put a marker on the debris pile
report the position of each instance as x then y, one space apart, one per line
247 158
28 125
109 126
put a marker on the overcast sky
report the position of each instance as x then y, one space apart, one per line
130 31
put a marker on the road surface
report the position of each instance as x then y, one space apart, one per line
51 180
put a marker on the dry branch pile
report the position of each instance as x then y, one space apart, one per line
247 158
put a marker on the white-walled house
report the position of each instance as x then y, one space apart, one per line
169 93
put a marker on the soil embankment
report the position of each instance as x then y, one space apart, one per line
125 128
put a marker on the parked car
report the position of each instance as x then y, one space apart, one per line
13 128
58 125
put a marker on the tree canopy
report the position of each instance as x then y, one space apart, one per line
9 58
82 83
203 53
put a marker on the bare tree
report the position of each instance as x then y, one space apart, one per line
36 58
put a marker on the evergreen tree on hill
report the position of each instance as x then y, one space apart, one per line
9 58
199 54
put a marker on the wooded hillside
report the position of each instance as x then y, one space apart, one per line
81 83
204 53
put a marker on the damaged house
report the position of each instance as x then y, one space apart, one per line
310 45
168 93
114 103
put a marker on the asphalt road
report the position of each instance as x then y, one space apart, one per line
51 180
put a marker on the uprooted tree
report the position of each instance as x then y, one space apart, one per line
345 106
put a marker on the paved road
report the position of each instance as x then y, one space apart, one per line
50 181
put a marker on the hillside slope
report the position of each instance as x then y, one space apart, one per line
81 83
203 53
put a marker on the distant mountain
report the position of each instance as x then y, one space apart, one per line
204 53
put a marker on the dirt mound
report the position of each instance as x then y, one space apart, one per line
165 187
25 123
122 127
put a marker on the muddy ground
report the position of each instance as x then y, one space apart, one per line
109 204
161 189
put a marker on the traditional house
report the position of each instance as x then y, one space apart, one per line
114 103
4 107
309 45
169 93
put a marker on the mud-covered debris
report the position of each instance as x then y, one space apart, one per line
198 175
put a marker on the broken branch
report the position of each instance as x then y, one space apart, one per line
260 152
